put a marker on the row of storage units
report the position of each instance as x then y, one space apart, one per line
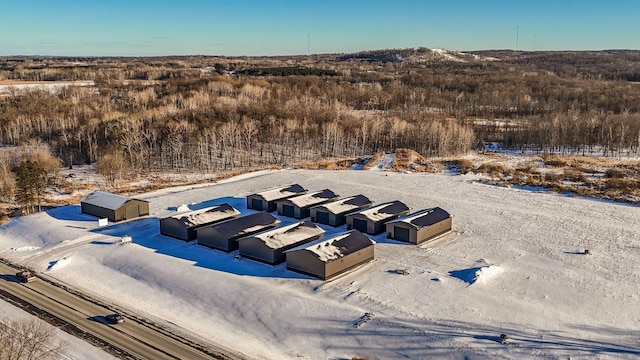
357 212
301 245
258 237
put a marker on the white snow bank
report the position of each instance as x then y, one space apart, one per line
183 208
59 264
486 273
25 248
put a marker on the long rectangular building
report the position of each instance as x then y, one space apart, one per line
183 226
326 259
269 246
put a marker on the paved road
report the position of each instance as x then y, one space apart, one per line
134 339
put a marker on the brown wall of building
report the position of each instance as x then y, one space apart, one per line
350 261
429 232
256 249
305 262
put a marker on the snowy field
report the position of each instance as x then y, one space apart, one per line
514 264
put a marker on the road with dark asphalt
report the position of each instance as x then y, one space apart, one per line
136 338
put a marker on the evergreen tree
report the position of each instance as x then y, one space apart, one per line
30 184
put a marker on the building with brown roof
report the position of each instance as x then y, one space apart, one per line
269 246
266 200
371 220
223 235
420 226
299 206
183 226
326 259
334 213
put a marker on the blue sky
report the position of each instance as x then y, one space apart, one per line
278 27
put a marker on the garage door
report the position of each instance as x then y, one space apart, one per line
287 210
132 212
401 234
360 225
322 217
256 204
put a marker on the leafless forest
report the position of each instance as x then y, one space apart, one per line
209 114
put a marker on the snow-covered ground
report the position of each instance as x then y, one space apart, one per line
52 86
514 264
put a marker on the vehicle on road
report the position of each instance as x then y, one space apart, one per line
114 318
25 275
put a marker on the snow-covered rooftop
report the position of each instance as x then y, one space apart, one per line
423 218
245 225
312 198
384 211
281 192
206 215
337 247
287 235
105 200
346 205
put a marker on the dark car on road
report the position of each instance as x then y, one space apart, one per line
114 318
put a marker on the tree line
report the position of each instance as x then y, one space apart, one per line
213 113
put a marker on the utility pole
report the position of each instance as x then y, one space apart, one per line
517 31
308 44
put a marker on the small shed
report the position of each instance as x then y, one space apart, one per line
113 207
419 226
325 259
266 200
299 206
223 235
371 220
183 226
269 246
334 213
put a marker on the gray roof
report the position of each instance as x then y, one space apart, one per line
424 218
281 192
310 199
287 235
206 215
346 205
245 225
384 211
105 200
337 247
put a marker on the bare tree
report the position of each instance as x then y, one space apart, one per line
29 340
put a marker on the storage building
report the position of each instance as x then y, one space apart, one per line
266 200
113 207
269 246
223 235
371 220
183 226
420 226
325 259
299 206
334 213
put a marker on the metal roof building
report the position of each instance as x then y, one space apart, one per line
420 226
325 259
334 213
371 220
113 207
299 206
266 200
223 235
269 246
183 226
